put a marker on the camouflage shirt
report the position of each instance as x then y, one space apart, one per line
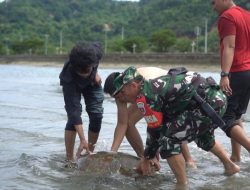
171 96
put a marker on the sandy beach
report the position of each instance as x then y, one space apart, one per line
191 67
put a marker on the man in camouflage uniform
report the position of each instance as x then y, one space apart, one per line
178 107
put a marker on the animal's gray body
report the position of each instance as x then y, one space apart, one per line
108 163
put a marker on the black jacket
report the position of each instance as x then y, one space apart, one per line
73 86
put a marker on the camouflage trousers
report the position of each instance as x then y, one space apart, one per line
192 125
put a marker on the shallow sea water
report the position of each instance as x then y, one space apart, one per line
32 144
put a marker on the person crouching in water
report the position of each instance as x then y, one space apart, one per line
128 115
179 107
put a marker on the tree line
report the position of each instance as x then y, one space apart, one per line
53 27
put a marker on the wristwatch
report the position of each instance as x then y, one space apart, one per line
224 74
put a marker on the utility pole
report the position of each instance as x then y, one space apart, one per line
46 44
197 31
134 46
106 28
193 45
122 33
61 42
106 41
205 48
7 46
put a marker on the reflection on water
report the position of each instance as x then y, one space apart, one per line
32 144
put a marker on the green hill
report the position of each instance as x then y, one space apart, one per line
60 24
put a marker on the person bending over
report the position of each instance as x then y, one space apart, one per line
179 107
79 78
128 115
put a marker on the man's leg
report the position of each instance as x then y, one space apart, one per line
237 133
172 152
92 139
93 98
69 138
177 164
190 163
95 121
230 167
236 147
237 105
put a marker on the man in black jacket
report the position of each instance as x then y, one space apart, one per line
79 77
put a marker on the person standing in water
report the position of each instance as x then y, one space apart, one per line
234 33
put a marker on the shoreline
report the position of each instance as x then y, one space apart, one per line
108 65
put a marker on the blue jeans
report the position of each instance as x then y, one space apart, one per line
93 98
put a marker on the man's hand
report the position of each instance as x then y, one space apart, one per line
83 142
145 166
225 86
83 145
155 163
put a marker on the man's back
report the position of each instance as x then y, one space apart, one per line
236 21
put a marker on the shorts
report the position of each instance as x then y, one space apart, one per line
93 98
193 125
238 101
187 127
